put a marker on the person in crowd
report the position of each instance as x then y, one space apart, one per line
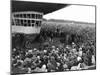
53 58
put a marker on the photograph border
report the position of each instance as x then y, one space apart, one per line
59 71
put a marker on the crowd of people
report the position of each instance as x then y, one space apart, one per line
53 58
58 50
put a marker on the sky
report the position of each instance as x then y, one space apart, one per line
73 13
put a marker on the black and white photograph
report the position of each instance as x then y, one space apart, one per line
52 37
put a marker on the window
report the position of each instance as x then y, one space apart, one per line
21 22
24 15
14 15
29 21
12 22
25 21
21 15
33 15
17 15
37 23
32 21
32 25
36 16
15 21
28 15
18 21
39 16
28 24
25 24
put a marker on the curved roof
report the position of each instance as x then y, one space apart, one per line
45 8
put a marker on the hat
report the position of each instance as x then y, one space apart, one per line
35 49
53 46
29 50
38 57
57 48
44 66
73 43
80 48
45 51
14 49
79 58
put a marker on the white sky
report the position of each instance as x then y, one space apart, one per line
74 12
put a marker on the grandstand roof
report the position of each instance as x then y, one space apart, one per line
43 7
